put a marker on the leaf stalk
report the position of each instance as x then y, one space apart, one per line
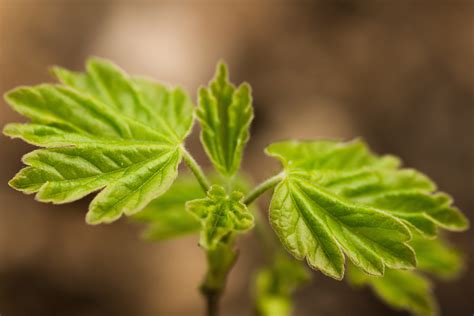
266 185
196 170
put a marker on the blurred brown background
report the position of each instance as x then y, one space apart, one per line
398 73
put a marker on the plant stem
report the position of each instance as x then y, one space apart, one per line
212 300
196 170
219 261
266 185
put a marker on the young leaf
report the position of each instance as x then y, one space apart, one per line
437 257
166 215
275 284
98 133
410 290
225 114
153 104
315 224
339 197
220 215
400 289
351 171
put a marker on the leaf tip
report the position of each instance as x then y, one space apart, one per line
9 130
462 224
95 60
13 183
93 219
94 64
96 216
222 69
335 272
57 72
13 95
245 91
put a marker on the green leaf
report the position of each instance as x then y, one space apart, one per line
437 257
166 215
275 284
351 171
316 224
225 114
405 290
167 110
221 215
340 198
172 108
99 133
410 290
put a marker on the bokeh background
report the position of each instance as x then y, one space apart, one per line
398 73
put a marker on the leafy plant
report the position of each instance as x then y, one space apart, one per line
124 136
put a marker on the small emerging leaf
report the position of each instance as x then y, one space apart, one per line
101 131
225 114
220 215
167 217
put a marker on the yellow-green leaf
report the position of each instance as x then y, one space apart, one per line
412 290
225 113
101 131
275 284
340 198
220 215
315 224
406 290
166 215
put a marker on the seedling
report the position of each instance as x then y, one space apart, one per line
335 205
